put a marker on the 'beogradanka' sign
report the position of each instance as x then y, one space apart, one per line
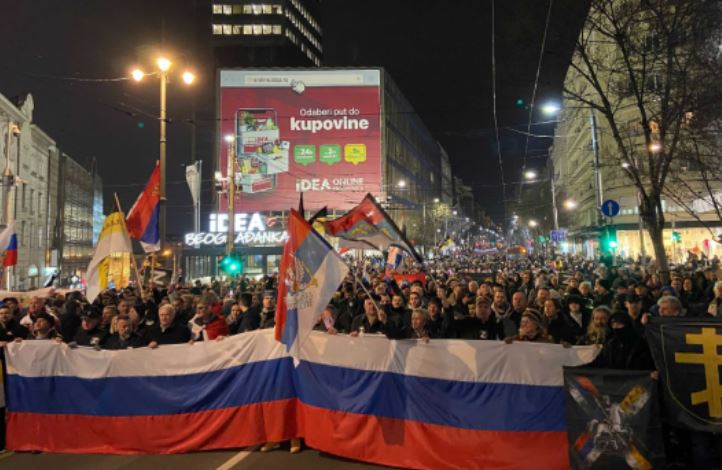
250 230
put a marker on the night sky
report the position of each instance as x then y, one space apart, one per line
66 54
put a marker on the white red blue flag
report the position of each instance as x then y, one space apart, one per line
310 273
9 245
143 219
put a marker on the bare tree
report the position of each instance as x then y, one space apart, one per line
649 69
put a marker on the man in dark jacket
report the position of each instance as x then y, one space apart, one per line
483 325
624 349
90 332
602 294
441 321
124 337
268 310
249 316
166 331
372 321
10 328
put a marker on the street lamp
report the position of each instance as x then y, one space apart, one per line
570 204
530 175
655 147
164 65
436 200
550 108
533 223
401 184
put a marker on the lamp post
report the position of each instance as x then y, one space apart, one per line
231 193
164 64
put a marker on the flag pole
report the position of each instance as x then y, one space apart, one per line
125 229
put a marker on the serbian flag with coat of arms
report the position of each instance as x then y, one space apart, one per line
9 245
368 226
310 273
143 218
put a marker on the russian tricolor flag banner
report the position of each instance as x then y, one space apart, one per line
445 404
143 220
310 273
9 245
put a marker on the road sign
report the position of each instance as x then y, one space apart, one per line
610 208
558 235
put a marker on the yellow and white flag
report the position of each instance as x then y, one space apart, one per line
113 241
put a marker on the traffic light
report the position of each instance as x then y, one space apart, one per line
231 264
608 240
676 237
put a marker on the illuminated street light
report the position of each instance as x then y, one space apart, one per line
137 75
570 204
229 138
436 200
625 165
530 175
163 64
550 108
533 223
188 77
401 184
655 147
455 213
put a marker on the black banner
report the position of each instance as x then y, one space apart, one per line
686 352
612 419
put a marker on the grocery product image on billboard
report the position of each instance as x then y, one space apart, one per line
311 131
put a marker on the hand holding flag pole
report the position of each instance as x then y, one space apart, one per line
133 264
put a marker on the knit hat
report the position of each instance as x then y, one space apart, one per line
533 315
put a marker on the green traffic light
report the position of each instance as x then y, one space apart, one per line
613 243
520 102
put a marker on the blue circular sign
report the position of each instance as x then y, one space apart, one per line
610 208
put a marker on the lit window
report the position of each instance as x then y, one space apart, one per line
267 29
238 9
217 9
217 29
257 9
227 9
277 29
237 29
267 9
278 9
257 29
247 29
227 29
247 9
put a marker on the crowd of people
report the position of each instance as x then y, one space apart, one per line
567 301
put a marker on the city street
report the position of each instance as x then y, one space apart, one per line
227 460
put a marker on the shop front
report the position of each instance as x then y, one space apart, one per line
258 242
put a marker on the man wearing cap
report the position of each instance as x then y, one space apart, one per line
90 332
531 328
441 321
483 325
602 294
44 328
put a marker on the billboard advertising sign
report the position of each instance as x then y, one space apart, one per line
311 131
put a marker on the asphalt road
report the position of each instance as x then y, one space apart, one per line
225 460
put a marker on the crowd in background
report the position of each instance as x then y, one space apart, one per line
566 300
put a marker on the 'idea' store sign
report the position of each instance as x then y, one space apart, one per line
253 229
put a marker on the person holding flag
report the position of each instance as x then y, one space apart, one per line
113 240
143 218
309 275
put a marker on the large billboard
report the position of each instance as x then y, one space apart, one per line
311 131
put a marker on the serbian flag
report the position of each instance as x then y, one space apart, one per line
9 245
143 218
310 273
369 226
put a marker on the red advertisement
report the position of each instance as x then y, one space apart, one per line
311 131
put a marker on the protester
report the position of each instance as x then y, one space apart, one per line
483 325
10 328
166 331
124 336
206 324
90 332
